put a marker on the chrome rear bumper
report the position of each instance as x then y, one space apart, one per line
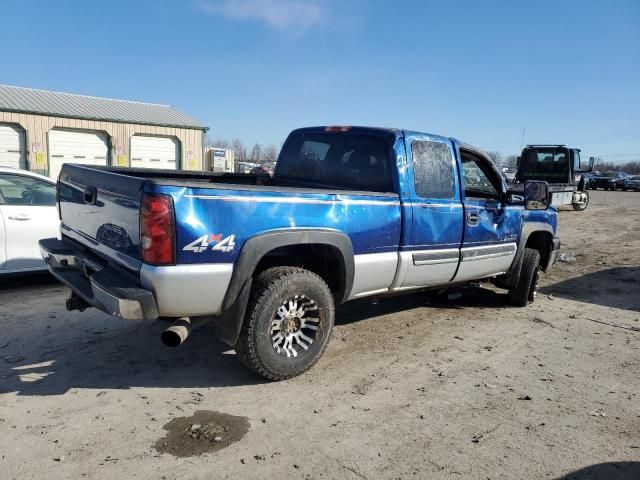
106 288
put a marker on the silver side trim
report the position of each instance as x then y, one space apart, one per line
374 273
314 201
187 290
470 254
452 205
435 257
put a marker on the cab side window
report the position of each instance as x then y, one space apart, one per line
479 181
433 169
23 190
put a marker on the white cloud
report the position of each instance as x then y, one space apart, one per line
284 15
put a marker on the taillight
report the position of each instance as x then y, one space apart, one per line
157 230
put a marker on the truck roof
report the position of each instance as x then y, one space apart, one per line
346 128
559 145
383 131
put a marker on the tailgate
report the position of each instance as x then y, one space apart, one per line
101 210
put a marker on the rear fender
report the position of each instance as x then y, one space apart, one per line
229 324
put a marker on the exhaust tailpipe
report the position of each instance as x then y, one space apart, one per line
179 331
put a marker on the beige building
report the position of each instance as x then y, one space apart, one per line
41 130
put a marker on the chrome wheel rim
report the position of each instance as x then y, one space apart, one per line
294 326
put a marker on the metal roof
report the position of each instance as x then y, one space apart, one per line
43 102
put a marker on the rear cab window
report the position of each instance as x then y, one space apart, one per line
346 160
549 164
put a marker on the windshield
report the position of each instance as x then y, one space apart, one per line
346 160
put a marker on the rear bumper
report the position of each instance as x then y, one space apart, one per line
157 291
113 291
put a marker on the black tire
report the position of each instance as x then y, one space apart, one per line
525 289
272 290
580 207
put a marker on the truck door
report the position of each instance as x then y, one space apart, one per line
430 249
491 227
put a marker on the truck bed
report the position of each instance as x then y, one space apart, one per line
213 204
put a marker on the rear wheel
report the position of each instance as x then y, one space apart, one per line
288 323
525 289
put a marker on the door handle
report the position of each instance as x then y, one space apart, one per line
472 218
20 216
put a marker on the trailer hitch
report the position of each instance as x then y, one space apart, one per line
74 302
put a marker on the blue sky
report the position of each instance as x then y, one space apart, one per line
566 71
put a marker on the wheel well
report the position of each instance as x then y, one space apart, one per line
543 242
324 260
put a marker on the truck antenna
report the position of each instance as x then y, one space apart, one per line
522 139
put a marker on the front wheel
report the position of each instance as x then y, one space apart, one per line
582 205
526 288
288 323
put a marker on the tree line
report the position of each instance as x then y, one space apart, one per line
628 167
600 165
258 153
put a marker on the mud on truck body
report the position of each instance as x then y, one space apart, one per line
350 212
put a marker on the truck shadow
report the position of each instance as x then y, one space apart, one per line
72 350
91 350
617 287
118 356
606 471
452 299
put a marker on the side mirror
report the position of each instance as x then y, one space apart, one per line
592 161
536 195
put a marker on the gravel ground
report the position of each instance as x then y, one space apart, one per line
411 387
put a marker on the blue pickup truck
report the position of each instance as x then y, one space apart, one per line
350 212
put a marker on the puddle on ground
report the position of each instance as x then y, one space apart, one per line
203 432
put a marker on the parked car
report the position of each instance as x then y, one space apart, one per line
350 212
632 183
28 213
608 181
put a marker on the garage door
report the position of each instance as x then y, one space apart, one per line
154 152
74 146
12 151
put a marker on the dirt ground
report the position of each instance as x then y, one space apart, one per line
412 387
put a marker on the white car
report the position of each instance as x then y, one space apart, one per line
28 213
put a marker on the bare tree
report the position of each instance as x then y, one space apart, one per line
496 157
256 153
270 154
602 165
510 161
240 150
221 143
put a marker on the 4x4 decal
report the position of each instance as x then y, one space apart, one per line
203 243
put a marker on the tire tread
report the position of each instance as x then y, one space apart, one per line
265 285
519 294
